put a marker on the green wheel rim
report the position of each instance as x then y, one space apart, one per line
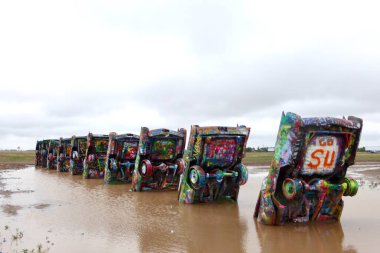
289 188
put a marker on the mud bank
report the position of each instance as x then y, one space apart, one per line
68 214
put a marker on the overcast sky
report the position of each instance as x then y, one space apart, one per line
70 67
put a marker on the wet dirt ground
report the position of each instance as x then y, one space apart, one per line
68 214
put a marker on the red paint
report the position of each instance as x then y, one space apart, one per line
324 142
328 162
310 164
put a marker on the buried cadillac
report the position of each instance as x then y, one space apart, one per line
64 151
159 162
214 170
52 154
77 154
96 151
121 156
40 158
307 177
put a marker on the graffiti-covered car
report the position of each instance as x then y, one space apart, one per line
121 156
77 154
41 153
63 155
159 162
38 154
96 151
214 169
307 177
52 154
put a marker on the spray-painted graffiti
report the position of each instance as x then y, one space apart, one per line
77 154
63 155
94 161
159 162
306 181
41 153
214 170
52 149
163 149
121 156
129 150
220 151
321 155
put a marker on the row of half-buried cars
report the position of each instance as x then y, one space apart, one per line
306 180
155 159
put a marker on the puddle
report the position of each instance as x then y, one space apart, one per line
10 209
69 214
41 206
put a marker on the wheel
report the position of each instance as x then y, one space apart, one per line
291 187
180 166
197 177
146 169
242 173
351 188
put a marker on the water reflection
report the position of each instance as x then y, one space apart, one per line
159 225
166 226
213 228
94 217
313 237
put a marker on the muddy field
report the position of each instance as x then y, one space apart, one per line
63 213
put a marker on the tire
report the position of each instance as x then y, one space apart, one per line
197 177
352 187
146 169
180 166
291 188
242 173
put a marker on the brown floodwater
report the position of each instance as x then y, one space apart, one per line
69 214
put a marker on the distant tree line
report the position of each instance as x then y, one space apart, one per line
258 149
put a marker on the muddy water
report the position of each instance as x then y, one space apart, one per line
68 214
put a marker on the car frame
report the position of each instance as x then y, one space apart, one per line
159 162
214 170
78 154
38 154
52 149
63 155
41 153
121 156
307 178
96 152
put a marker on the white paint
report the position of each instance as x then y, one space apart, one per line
321 155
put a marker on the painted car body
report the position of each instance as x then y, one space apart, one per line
77 154
63 155
38 154
121 156
159 162
41 153
96 151
214 170
307 177
52 154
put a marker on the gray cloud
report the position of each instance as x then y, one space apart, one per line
116 66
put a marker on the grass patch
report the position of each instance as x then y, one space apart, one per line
258 158
367 157
17 157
